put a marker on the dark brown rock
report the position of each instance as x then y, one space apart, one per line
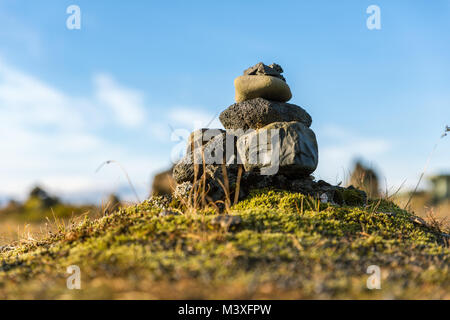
257 113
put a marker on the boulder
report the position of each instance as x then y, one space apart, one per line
213 152
257 113
281 147
261 86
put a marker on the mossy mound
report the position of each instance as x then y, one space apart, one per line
286 245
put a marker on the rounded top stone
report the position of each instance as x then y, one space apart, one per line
261 86
262 81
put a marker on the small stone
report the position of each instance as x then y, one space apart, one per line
267 87
71 236
257 113
418 220
324 198
226 221
273 70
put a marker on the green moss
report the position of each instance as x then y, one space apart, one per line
287 245
279 199
351 197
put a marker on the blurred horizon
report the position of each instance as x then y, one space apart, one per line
115 89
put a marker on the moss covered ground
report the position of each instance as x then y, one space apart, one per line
287 246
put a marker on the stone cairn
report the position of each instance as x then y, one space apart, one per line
261 129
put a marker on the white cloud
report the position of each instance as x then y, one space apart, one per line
52 138
193 117
28 102
126 104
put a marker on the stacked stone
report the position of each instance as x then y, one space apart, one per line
261 107
261 96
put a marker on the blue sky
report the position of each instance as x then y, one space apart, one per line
70 99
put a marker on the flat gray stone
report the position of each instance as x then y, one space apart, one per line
257 113
295 151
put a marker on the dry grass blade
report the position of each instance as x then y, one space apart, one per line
238 185
126 175
396 192
203 193
226 187
227 197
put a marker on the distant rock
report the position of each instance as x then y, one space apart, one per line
257 113
112 204
163 183
366 179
